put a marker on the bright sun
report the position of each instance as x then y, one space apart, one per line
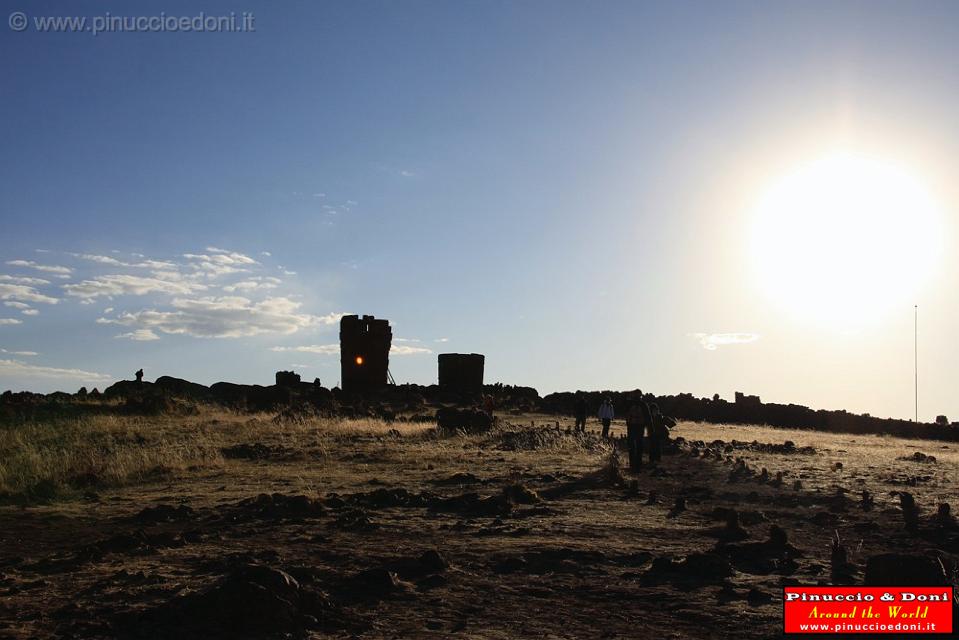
843 239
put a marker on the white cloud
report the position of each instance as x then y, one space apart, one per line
30 312
19 353
712 341
16 305
406 174
219 262
18 369
118 285
34 282
253 284
9 321
406 340
140 335
23 293
442 340
223 317
321 349
99 259
55 269
266 253
113 262
329 319
406 350
155 264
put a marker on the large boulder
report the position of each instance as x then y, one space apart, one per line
468 420
181 388
252 601
251 396
126 388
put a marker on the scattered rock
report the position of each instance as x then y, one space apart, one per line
466 420
756 597
905 569
252 601
694 569
165 513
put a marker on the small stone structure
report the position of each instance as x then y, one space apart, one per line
364 353
287 378
461 371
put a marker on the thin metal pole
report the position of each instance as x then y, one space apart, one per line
916 356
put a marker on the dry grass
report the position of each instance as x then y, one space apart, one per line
593 530
51 460
868 461
43 461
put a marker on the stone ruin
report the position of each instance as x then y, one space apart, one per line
287 378
364 353
461 372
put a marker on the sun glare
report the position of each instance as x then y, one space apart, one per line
843 239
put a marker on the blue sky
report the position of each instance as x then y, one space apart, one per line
562 186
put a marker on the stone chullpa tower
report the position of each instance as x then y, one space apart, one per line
364 353
461 371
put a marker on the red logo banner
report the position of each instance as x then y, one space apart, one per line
899 610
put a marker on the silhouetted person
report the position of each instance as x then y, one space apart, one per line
488 404
139 375
638 420
579 411
606 415
657 431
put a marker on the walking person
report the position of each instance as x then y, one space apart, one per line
579 411
606 415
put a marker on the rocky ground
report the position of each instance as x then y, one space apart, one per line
527 531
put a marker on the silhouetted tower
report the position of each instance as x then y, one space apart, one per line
461 371
364 353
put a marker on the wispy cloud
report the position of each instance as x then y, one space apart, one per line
60 272
712 341
20 353
9 321
223 317
406 350
33 282
24 293
140 335
320 349
219 262
334 349
114 262
18 369
121 284
253 284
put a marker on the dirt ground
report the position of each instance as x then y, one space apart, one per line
528 531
